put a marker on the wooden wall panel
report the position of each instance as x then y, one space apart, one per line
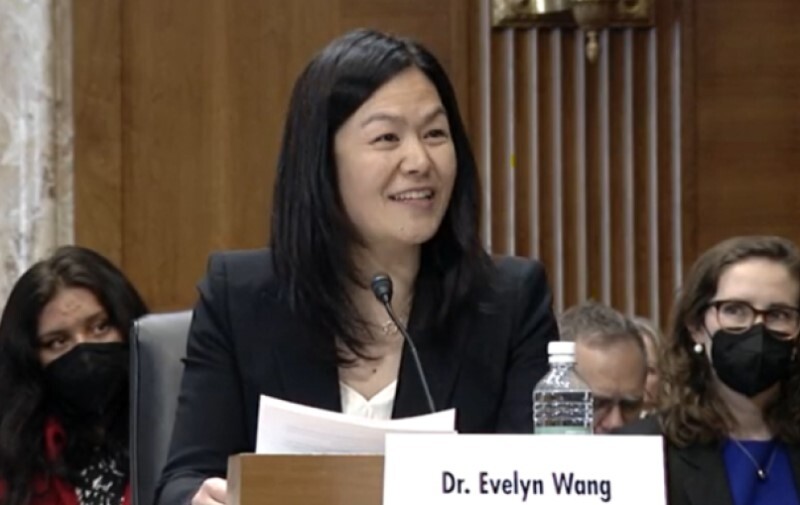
97 99
502 132
748 118
591 150
616 174
673 127
546 153
645 250
525 167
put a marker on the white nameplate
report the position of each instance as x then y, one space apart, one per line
537 469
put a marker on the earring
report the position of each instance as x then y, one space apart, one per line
698 348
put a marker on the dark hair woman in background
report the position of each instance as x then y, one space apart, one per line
64 382
375 175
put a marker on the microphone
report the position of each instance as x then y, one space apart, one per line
382 289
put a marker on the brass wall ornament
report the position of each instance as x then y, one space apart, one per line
589 15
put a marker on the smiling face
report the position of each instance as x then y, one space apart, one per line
396 163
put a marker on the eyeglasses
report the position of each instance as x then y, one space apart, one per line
629 408
737 316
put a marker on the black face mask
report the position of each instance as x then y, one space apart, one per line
753 361
86 381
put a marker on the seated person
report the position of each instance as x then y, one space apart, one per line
64 382
610 357
652 339
375 175
729 400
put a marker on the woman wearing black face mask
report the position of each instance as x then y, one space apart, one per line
729 402
64 383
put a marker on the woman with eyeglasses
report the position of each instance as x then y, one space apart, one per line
729 401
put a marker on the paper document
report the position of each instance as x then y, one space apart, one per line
289 428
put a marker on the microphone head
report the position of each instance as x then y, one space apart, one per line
382 287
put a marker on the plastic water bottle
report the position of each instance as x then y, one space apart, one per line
562 401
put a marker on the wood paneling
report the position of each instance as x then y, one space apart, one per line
748 118
616 174
97 99
586 155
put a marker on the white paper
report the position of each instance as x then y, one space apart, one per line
289 428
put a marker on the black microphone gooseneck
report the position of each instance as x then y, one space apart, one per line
382 289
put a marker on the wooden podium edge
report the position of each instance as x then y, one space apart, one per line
340 479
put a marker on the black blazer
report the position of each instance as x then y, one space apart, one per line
696 474
245 342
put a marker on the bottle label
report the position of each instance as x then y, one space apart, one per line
562 430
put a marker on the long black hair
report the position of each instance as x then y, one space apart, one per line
23 399
312 236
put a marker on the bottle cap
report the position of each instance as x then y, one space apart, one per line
561 352
560 348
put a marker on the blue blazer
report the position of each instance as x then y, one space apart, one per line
244 342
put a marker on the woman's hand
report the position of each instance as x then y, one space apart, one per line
212 492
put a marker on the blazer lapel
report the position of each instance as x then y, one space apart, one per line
794 460
700 472
437 354
306 368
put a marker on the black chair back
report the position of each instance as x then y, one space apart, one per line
158 345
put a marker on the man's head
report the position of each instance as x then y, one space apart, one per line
610 356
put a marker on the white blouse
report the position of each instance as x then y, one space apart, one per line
378 407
